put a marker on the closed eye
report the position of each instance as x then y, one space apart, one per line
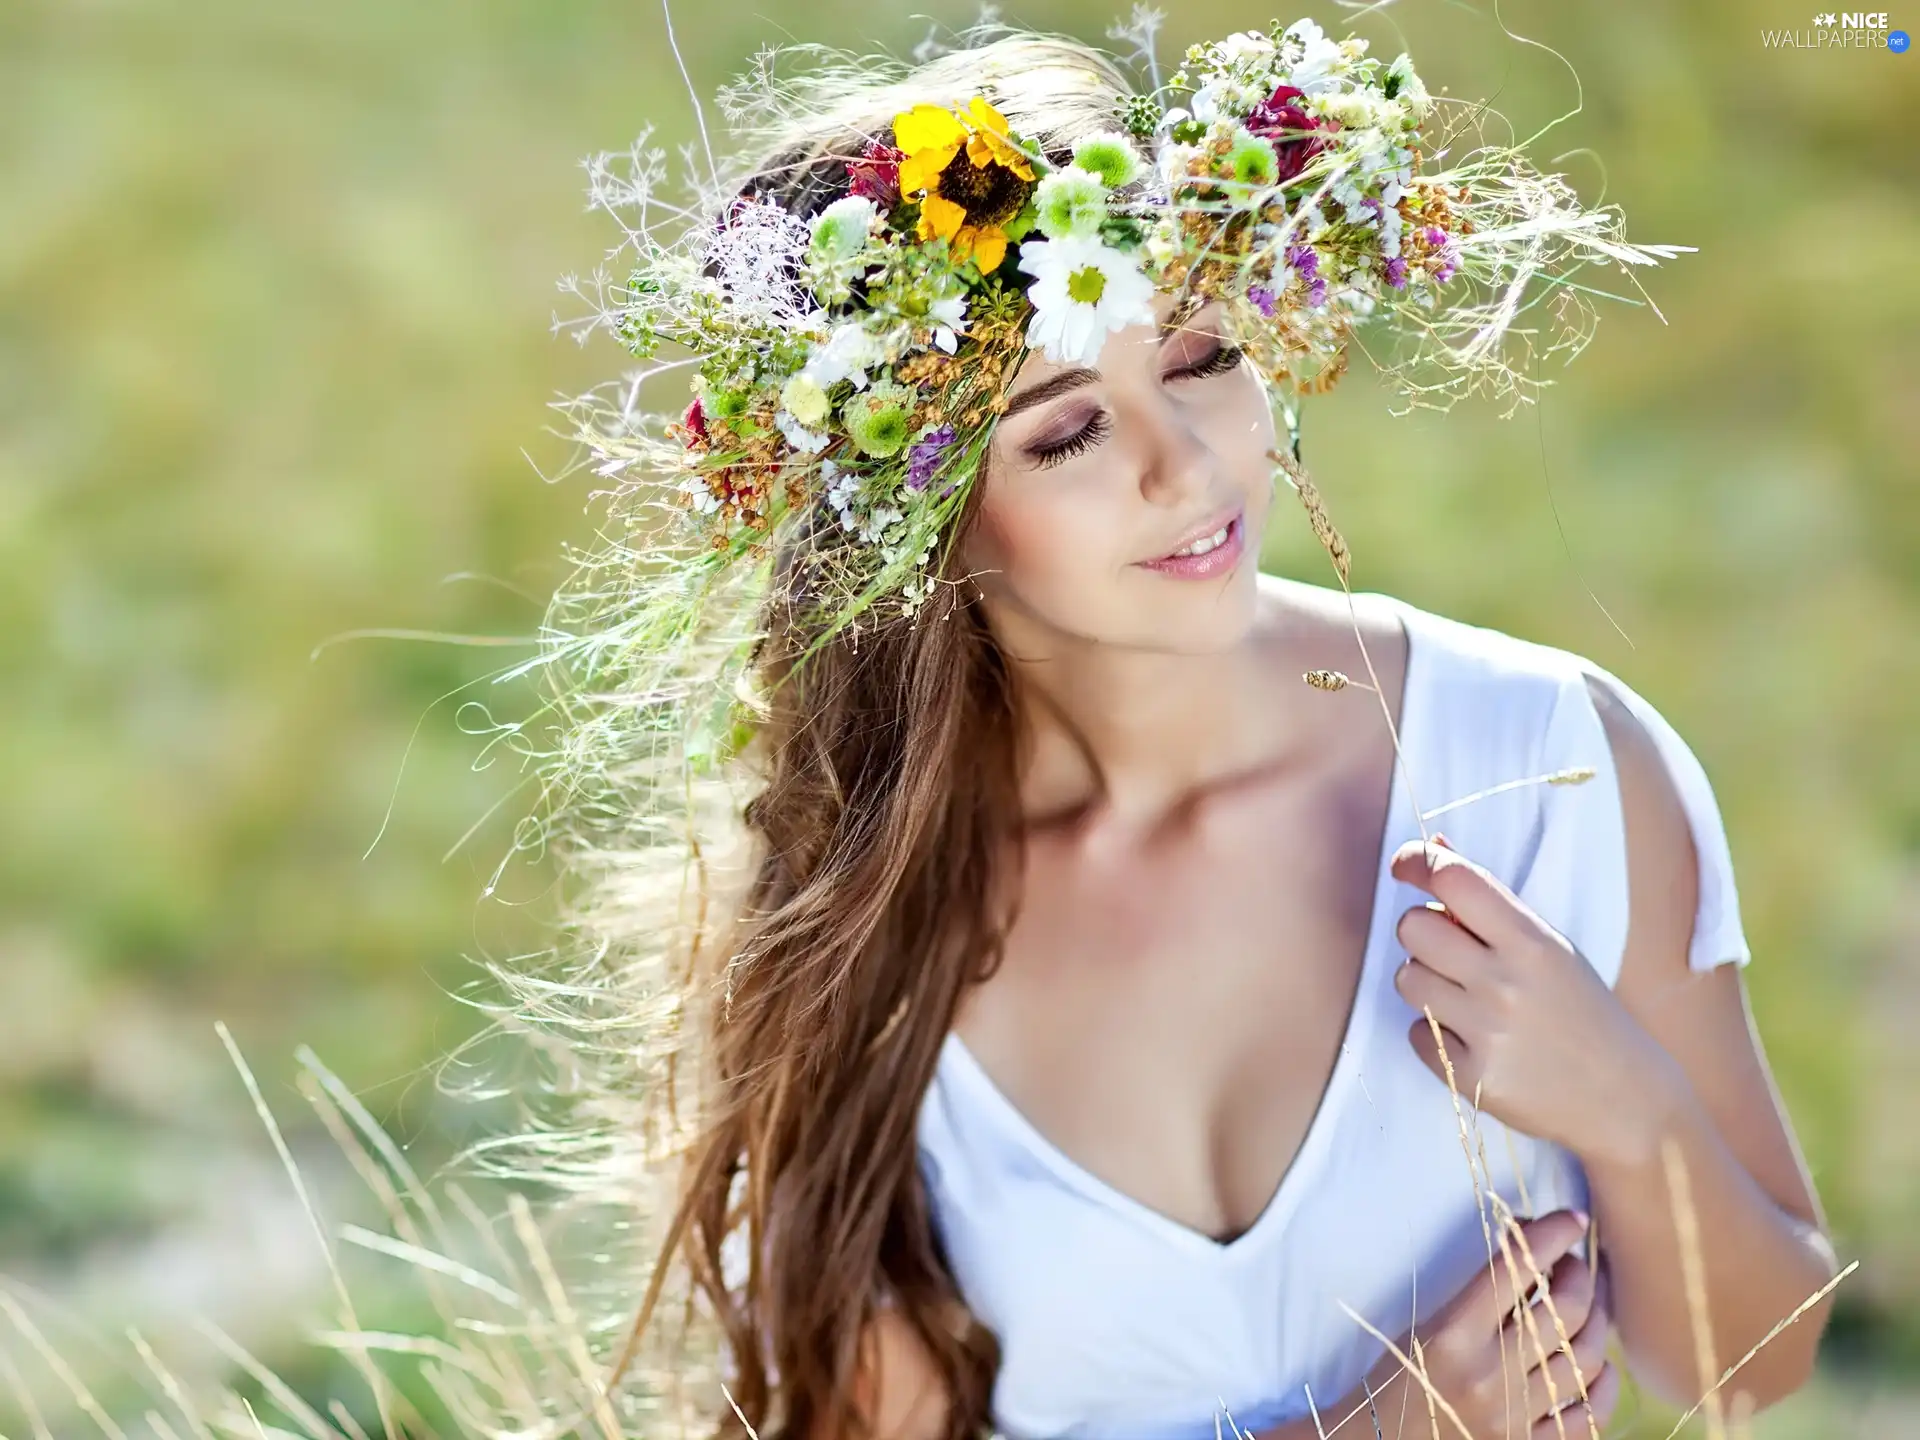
1223 359
1085 438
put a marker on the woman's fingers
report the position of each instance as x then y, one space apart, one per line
1570 1423
1568 1298
1556 1384
1491 1295
1439 941
1425 988
1477 898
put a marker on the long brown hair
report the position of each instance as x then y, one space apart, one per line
886 816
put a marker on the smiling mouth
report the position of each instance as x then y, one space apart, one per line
1204 543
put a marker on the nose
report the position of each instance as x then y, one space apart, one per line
1176 462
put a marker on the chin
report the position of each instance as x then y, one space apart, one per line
1202 613
1195 617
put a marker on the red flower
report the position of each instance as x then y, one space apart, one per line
876 174
1274 116
695 422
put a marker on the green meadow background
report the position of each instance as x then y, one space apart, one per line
277 288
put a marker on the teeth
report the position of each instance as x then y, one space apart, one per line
1201 547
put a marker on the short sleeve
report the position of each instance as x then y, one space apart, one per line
1578 874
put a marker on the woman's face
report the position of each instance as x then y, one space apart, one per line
1094 475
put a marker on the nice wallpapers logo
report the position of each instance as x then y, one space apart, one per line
1843 30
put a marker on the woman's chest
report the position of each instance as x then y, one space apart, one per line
1113 1321
1172 1025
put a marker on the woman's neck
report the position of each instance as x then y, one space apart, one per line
1118 740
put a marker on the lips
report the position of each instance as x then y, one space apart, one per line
1200 532
1222 559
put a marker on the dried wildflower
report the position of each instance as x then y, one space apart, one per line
1323 530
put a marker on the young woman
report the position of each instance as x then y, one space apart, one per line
1071 1058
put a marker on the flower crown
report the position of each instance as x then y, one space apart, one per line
851 364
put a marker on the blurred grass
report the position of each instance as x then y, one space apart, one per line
275 289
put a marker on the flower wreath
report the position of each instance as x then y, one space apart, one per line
850 362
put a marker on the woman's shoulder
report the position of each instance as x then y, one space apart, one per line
1483 658
1576 717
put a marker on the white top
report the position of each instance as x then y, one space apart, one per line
1119 1323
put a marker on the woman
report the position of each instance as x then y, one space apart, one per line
1094 1039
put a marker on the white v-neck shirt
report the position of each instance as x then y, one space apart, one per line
1120 1323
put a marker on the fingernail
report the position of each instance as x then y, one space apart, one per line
1585 1219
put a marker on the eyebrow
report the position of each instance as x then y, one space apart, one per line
1058 384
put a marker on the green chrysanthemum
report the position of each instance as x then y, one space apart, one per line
880 419
840 231
1070 201
1253 160
726 404
1110 156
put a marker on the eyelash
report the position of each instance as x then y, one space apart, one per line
1095 432
1226 358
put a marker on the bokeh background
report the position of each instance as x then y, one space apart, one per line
277 293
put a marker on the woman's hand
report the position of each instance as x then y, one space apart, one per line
1485 1360
1534 1036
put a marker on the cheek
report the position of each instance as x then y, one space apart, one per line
1245 429
1050 541
1246 425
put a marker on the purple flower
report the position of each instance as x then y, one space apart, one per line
1306 260
1397 273
1448 253
1262 298
924 456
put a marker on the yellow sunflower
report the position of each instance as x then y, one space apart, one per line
974 177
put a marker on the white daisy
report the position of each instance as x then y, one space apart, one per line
1083 289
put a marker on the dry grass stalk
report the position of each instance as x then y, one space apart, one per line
562 1310
1686 1221
376 1380
82 1396
1573 775
1765 1340
1323 530
1417 1368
